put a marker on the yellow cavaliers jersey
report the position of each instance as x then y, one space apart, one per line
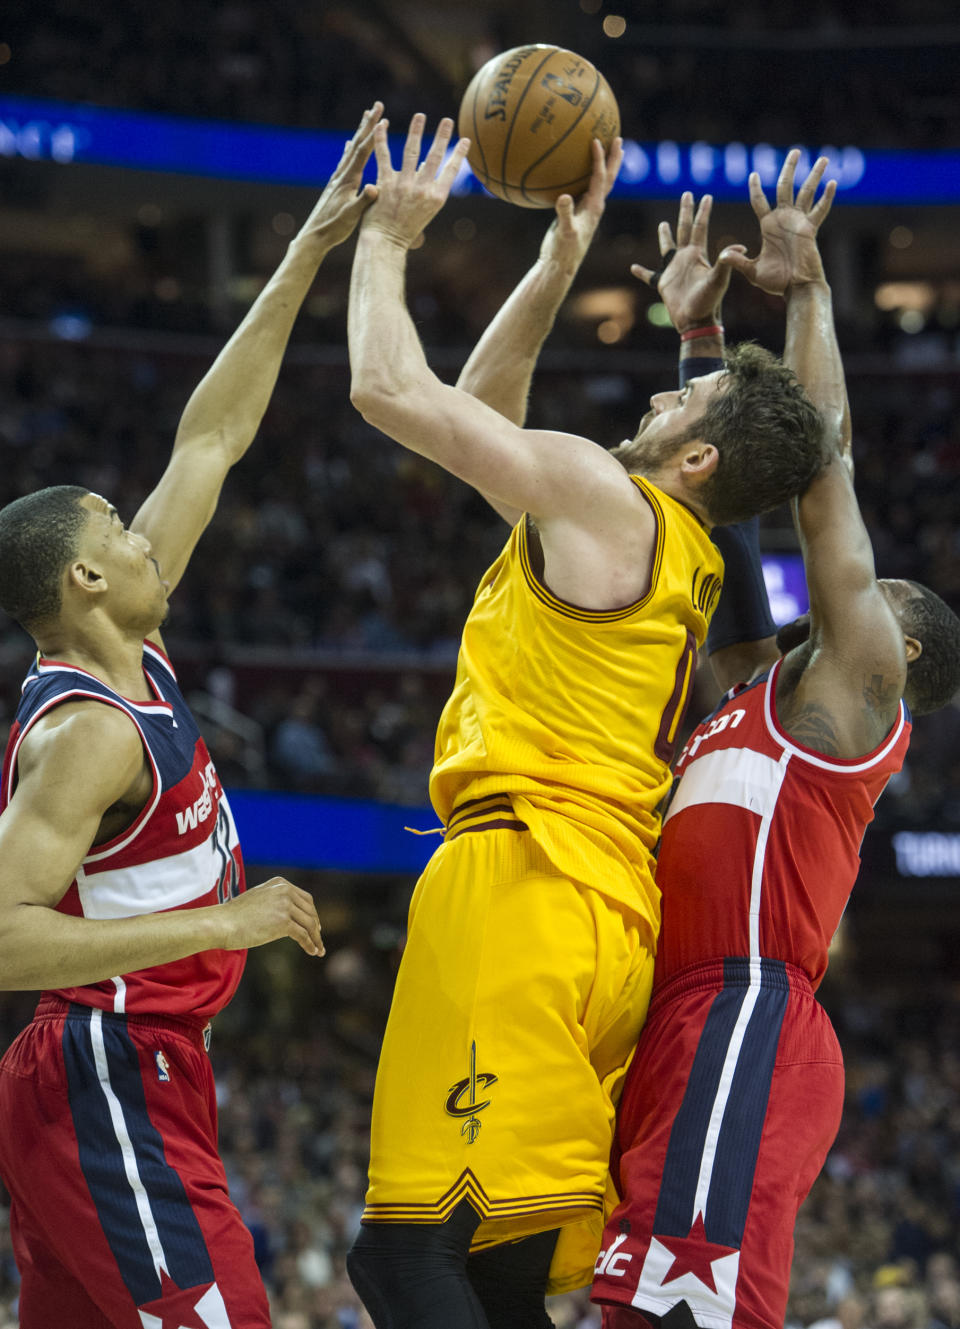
574 713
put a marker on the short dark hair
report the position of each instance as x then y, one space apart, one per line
934 676
39 534
768 433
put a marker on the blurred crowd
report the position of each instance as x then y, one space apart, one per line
877 1243
885 73
324 605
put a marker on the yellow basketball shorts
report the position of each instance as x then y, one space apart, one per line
517 1007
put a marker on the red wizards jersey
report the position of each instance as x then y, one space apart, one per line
761 840
180 852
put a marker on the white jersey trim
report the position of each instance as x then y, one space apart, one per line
759 860
815 759
708 1157
150 888
149 706
156 654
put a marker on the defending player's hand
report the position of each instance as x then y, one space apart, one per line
575 224
343 202
272 910
690 286
788 253
410 198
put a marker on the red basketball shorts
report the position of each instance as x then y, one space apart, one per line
729 1108
120 1213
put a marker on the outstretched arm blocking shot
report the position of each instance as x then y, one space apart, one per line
742 636
842 689
223 415
690 287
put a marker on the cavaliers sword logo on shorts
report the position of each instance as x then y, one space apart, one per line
469 1085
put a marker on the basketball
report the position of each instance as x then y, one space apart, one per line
531 115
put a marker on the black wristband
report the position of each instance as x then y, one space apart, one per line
696 366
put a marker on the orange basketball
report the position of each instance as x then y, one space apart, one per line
531 115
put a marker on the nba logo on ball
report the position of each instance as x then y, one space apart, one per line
531 115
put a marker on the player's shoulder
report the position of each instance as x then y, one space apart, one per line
685 534
82 732
78 760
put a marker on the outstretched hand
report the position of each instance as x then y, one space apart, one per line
690 286
575 224
343 202
409 199
788 252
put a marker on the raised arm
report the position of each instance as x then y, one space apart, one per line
742 636
501 365
224 413
560 479
840 692
789 265
65 788
690 287
500 368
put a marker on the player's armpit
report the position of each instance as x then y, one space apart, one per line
510 515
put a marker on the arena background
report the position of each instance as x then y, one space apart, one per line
317 627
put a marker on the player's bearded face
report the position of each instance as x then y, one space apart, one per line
651 447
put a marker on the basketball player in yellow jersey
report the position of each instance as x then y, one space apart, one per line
531 935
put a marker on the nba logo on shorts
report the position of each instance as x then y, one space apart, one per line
163 1068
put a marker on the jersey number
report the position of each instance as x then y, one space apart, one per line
228 882
676 707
